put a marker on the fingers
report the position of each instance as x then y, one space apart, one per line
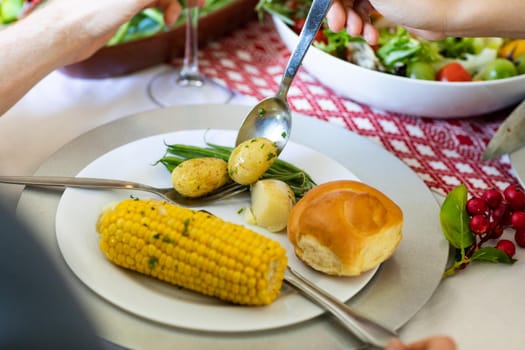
354 23
172 9
355 17
370 34
431 343
363 8
336 16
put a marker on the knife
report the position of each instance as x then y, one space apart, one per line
510 135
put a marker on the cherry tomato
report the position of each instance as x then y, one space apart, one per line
498 69
453 71
298 26
421 70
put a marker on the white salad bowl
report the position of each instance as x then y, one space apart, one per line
402 95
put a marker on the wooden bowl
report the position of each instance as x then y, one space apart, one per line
163 47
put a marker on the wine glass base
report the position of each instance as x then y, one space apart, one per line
166 89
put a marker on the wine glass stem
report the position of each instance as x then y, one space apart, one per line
190 74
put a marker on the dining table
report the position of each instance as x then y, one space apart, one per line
479 307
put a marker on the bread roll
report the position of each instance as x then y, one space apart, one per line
345 228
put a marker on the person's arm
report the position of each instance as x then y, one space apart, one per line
60 33
433 19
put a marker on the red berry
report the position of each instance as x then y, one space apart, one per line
479 224
476 206
501 215
515 197
519 237
517 220
507 247
493 198
496 232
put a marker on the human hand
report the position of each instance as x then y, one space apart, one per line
354 15
90 24
431 343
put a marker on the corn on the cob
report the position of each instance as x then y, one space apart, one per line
193 249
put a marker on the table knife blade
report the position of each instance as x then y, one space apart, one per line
510 136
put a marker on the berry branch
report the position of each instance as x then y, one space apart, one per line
470 225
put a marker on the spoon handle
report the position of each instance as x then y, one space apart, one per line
64 181
371 333
313 22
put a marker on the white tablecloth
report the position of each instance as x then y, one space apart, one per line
480 307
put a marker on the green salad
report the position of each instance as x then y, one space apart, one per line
401 53
146 23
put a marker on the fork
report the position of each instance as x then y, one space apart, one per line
169 194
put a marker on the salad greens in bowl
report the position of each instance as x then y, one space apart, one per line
450 78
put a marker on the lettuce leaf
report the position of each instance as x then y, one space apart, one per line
398 48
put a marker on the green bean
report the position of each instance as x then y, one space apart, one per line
299 181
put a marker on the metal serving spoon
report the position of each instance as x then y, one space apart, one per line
168 194
272 117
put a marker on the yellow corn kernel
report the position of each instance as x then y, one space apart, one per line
194 250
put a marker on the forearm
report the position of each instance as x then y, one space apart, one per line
62 32
31 49
458 17
487 18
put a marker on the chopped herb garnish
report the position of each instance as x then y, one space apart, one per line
152 262
156 235
185 229
261 111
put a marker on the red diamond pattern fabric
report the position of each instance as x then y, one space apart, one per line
443 152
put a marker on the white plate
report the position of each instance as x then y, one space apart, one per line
399 288
144 296
402 95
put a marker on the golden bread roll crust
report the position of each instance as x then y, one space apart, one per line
345 227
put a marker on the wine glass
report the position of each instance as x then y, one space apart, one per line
187 85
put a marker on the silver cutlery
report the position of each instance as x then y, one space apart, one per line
368 331
272 117
510 135
168 194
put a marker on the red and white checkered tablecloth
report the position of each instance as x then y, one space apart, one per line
443 152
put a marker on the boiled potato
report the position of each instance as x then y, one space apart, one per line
250 160
199 176
271 203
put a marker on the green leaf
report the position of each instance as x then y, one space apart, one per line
493 255
337 43
399 48
456 47
454 218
